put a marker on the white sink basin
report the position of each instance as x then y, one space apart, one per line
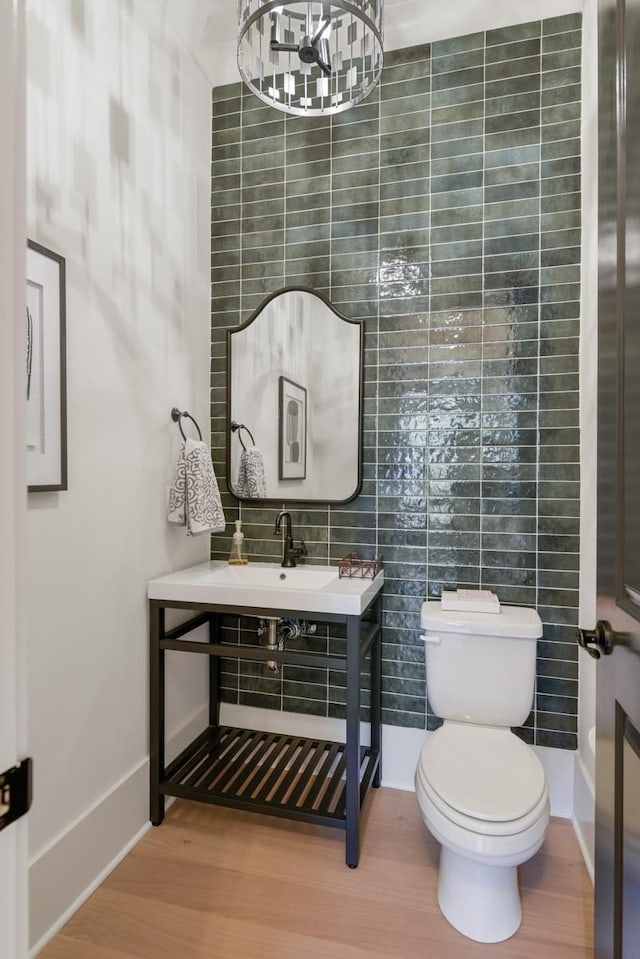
304 589
264 575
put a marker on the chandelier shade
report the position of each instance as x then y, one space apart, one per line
307 57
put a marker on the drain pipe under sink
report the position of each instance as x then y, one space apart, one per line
273 643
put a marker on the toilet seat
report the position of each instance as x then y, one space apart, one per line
485 829
483 779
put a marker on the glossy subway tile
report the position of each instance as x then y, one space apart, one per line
445 216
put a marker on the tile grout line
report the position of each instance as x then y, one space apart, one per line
328 557
537 571
484 292
377 348
427 474
285 183
331 192
414 196
239 319
279 676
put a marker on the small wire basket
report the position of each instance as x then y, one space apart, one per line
352 567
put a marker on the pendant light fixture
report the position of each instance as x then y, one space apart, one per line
308 57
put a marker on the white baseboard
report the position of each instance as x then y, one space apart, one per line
583 814
401 748
63 875
559 769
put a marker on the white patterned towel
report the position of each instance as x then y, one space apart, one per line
194 499
252 483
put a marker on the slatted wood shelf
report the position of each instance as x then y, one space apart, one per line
281 775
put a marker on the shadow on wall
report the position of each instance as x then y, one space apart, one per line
114 183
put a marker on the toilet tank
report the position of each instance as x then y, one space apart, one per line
481 666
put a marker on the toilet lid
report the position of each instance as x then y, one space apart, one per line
483 772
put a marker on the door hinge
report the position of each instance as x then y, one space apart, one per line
15 792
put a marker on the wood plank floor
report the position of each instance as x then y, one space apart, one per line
213 883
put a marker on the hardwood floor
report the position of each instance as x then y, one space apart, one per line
213 883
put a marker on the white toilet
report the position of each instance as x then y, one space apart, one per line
481 790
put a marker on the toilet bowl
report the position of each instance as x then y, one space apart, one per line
481 790
487 823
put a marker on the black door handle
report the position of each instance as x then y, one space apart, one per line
598 641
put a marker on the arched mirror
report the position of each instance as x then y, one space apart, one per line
295 401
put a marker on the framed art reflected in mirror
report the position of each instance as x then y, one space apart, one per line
292 430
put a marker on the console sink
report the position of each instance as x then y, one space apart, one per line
275 577
309 589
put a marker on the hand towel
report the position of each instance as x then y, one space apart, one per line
252 483
194 499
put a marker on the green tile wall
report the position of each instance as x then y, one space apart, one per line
445 212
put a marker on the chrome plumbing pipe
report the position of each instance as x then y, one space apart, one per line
273 632
268 636
274 642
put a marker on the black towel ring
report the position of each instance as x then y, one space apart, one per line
236 427
176 416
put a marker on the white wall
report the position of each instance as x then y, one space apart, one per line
118 183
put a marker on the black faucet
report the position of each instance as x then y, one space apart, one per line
290 552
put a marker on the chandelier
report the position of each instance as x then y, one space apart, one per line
308 57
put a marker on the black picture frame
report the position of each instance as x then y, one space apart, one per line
46 370
292 430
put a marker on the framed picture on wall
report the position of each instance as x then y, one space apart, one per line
292 430
46 370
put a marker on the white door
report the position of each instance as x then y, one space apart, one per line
13 839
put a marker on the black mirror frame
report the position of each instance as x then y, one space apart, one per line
243 326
